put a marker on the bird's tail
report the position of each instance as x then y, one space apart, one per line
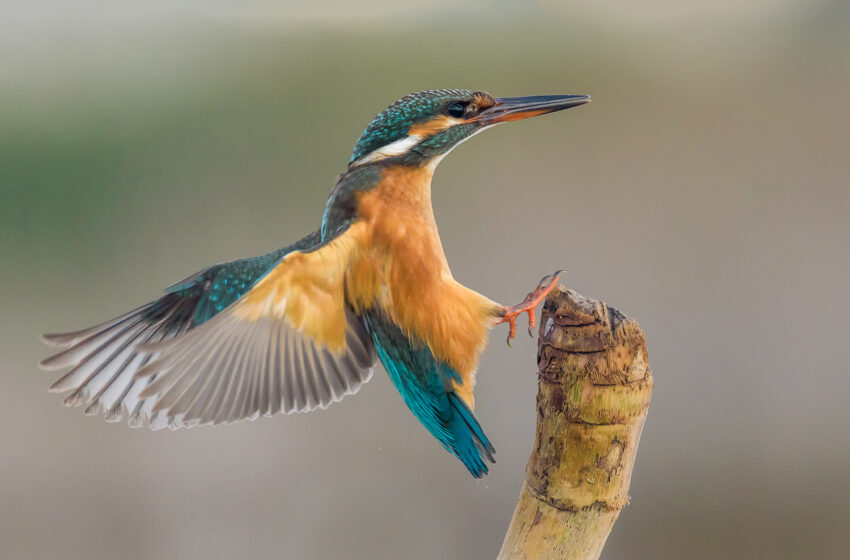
470 450
425 384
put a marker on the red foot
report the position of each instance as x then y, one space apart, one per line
528 305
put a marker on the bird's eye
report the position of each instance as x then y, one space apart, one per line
456 109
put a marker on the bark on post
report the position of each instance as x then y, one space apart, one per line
593 393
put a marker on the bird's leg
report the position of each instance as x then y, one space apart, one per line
528 305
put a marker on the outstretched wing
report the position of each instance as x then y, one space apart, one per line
428 387
223 345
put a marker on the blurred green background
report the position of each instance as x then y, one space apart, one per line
705 192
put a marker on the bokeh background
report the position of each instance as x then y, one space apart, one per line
705 192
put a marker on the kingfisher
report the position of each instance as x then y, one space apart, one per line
302 327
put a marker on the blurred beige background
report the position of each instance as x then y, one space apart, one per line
705 191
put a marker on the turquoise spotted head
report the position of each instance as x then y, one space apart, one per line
421 128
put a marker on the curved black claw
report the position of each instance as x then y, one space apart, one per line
545 280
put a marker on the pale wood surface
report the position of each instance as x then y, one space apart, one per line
593 394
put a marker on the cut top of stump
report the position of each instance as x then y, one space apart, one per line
583 336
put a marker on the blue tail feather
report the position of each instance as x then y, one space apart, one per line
426 385
482 444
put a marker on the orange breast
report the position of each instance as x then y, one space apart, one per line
401 266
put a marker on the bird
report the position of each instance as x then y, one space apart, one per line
300 328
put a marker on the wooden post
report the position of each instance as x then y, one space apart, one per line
593 393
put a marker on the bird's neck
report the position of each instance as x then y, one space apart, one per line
379 192
401 217
405 189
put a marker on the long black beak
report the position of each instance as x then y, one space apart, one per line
516 108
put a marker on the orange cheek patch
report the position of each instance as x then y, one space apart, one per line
435 125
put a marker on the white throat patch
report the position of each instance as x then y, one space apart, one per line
404 145
396 148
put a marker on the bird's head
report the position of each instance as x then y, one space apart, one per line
421 128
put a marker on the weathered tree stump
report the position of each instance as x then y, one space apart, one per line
593 394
